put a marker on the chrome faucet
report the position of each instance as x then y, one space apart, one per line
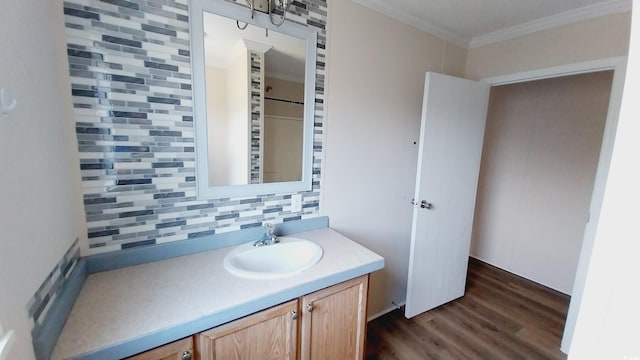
268 238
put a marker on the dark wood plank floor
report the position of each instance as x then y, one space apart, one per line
501 316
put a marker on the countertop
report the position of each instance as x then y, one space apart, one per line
124 311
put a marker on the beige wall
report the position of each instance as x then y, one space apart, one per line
228 130
217 124
283 129
541 150
598 38
239 118
287 90
41 204
283 149
375 82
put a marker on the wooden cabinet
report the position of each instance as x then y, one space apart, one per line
177 350
332 326
327 324
269 334
334 321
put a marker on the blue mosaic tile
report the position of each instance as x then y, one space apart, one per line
138 244
128 4
38 305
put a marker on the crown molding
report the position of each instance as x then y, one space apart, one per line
564 18
384 8
256 46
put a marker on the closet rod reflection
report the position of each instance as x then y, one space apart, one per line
285 100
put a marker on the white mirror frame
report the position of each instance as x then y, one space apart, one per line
243 14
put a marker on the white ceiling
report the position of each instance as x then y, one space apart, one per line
472 23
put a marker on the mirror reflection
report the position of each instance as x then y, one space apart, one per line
254 103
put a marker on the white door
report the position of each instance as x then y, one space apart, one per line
451 135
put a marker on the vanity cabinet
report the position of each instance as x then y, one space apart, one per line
177 350
334 321
332 325
269 334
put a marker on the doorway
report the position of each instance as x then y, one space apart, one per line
540 156
618 65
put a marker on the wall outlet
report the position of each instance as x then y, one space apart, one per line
296 203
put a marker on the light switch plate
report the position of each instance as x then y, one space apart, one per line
296 203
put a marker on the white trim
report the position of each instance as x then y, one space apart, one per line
234 11
387 9
385 311
557 71
256 46
564 18
618 65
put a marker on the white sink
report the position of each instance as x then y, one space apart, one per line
288 257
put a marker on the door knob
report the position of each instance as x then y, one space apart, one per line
186 355
425 205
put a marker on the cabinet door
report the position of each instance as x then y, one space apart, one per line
177 350
269 334
334 321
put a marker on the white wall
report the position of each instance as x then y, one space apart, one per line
597 38
41 205
539 161
375 82
608 318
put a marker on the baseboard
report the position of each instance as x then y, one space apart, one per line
386 311
518 274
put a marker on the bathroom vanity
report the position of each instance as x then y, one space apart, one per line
331 321
191 307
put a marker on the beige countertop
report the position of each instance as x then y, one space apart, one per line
180 296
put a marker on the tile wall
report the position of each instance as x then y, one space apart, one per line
257 80
131 85
41 301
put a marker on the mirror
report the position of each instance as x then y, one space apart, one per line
254 93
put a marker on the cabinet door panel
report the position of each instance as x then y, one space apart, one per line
173 351
334 321
269 334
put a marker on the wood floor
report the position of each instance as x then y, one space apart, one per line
501 316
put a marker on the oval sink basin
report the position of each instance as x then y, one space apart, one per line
288 257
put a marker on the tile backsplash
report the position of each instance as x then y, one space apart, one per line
129 63
40 303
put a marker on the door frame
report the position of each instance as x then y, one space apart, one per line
618 65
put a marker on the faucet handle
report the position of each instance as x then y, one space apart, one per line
268 228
